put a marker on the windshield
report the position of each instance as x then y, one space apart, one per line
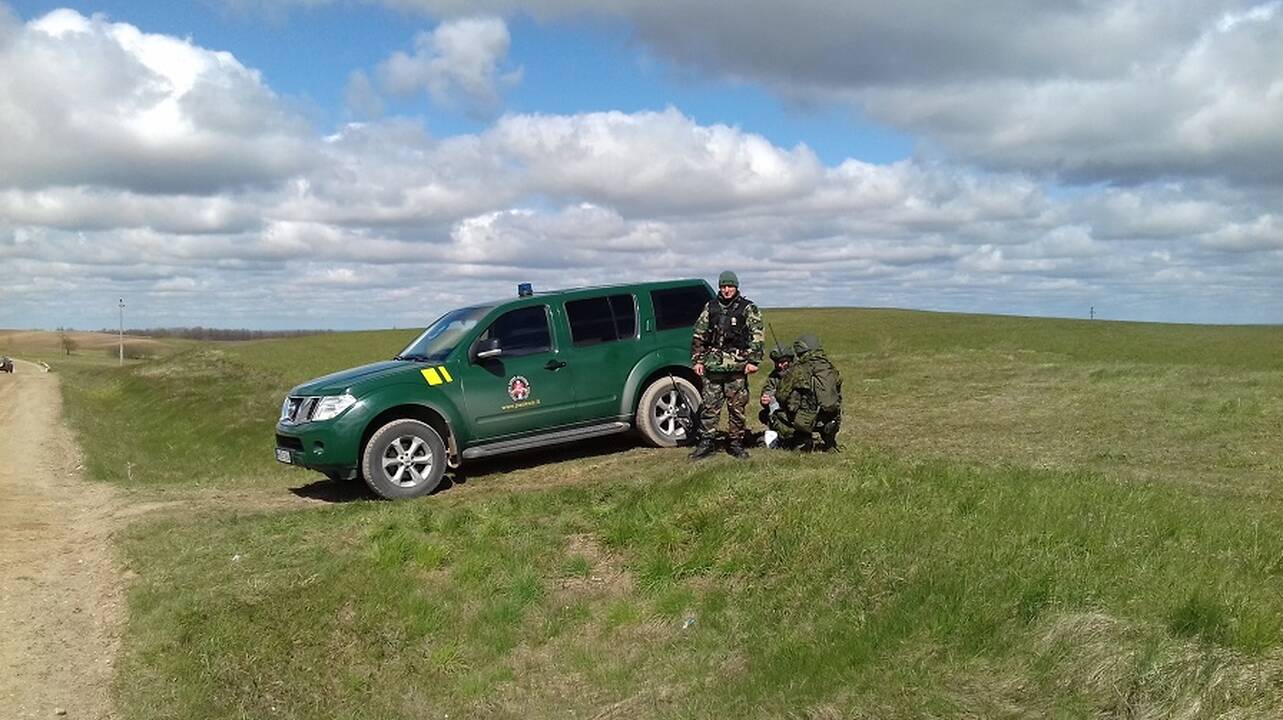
441 336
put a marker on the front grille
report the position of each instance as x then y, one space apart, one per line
292 443
300 409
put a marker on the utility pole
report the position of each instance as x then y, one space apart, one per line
122 332
1093 312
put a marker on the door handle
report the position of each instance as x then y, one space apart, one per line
555 365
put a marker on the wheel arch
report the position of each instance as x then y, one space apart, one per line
646 373
428 415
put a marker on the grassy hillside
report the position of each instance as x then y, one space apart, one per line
1032 518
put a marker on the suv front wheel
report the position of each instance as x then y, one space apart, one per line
661 405
404 459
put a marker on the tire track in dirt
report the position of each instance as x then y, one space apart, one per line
61 587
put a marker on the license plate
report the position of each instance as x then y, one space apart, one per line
283 455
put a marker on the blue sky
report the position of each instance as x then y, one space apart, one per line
315 163
578 66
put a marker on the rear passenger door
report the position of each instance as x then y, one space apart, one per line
605 339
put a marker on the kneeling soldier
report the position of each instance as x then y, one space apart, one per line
812 397
782 357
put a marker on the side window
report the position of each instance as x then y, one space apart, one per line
598 320
679 307
521 332
625 309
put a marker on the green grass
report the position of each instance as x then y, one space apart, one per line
1032 518
809 582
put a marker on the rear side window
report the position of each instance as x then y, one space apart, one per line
679 307
604 319
521 332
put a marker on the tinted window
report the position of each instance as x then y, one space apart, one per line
597 320
679 307
625 309
521 332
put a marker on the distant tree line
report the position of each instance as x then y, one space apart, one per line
204 333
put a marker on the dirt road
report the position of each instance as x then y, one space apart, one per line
60 587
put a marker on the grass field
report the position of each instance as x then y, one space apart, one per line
1031 518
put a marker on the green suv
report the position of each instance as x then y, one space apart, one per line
525 372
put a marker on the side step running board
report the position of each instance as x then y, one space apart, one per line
538 441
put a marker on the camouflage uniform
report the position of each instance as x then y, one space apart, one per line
724 378
792 399
801 413
779 356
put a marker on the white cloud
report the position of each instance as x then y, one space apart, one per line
1262 233
84 101
651 162
1212 108
132 178
459 64
92 208
361 98
1101 90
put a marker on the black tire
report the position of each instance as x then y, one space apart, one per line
657 414
404 459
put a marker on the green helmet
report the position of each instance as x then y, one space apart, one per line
728 278
805 344
779 352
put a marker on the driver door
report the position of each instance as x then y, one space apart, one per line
524 389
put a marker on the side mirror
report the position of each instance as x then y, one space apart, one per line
488 348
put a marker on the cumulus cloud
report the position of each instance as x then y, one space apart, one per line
654 162
84 101
131 178
1094 91
1209 109
459 64
361 98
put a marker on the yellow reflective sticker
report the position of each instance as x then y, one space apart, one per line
430 374
445 374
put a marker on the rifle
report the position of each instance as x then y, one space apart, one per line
774 338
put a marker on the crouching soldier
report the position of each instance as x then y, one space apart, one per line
782 357
811 401
772 416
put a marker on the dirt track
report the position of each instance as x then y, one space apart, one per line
60 586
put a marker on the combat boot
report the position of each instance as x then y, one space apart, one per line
703 449
735 449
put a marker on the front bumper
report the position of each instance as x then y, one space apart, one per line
326 445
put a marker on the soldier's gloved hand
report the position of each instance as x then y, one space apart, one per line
750 368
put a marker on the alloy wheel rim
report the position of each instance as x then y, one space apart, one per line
667 407
407 461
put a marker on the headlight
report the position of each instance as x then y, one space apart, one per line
331 405
285 409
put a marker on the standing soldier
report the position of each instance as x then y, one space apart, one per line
726 348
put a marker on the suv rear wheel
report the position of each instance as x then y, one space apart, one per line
404 459
659 407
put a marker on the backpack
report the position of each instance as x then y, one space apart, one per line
826 383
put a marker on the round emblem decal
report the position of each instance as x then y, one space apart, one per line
518 388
